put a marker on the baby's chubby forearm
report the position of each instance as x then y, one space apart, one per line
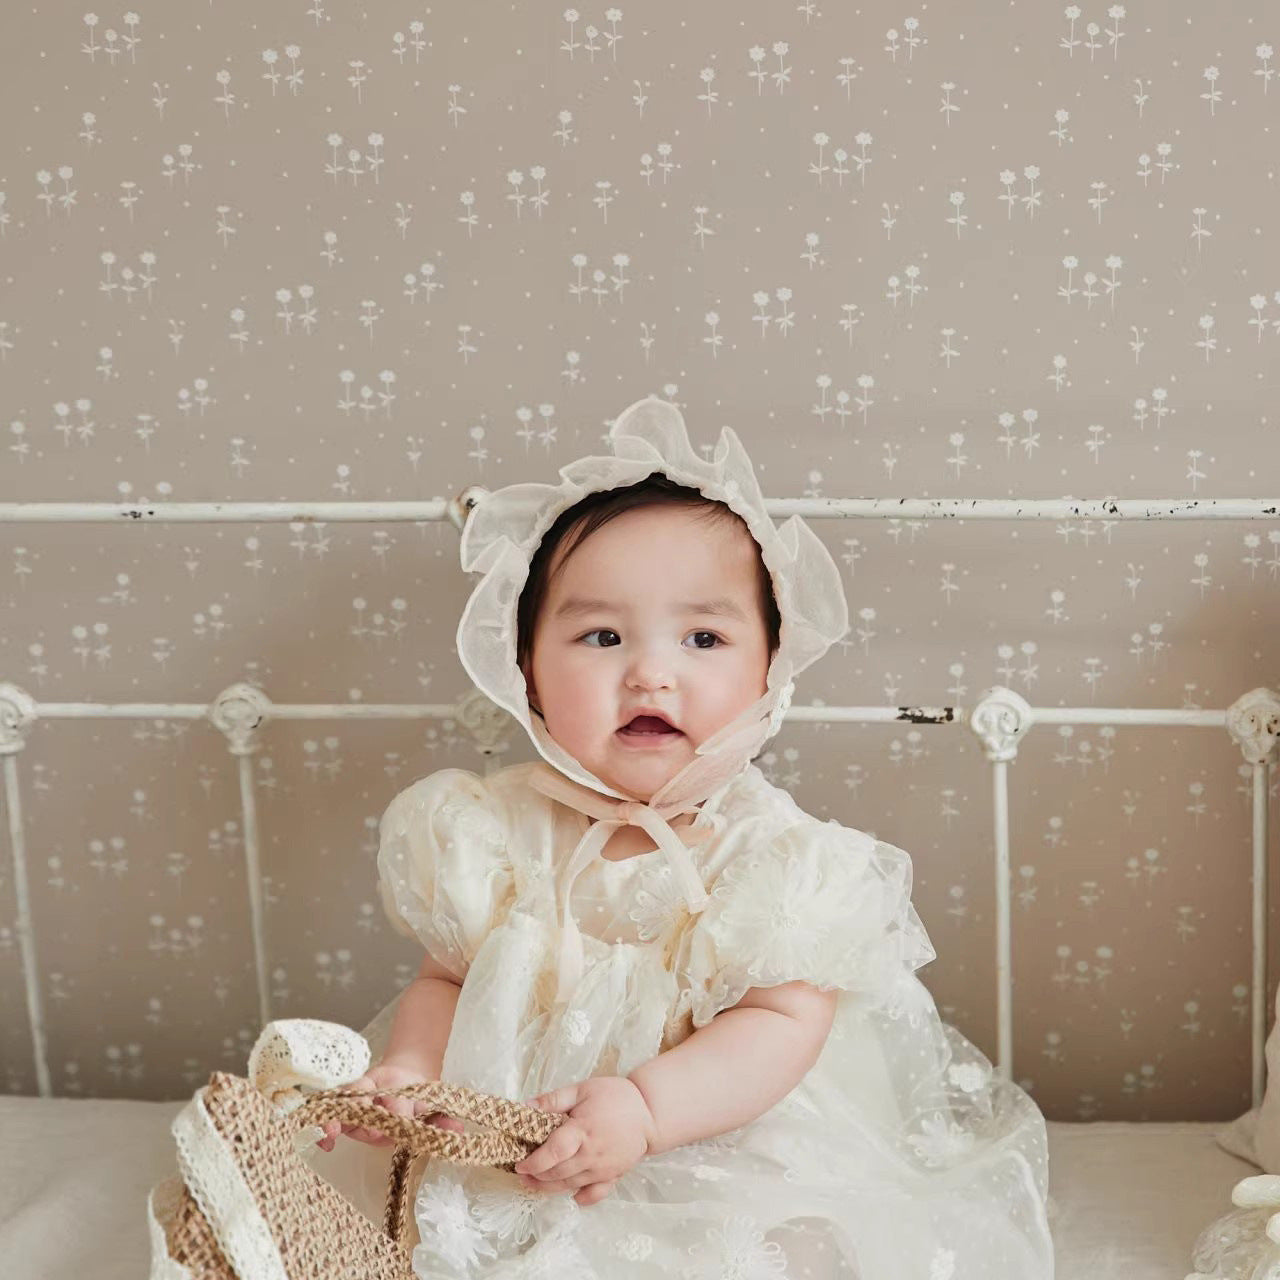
423 1021
732 1070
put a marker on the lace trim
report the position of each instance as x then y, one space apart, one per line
219 1188
293 1056
162 1202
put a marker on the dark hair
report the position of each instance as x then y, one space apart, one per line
582 519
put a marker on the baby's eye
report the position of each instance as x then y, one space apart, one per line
713 636
608 631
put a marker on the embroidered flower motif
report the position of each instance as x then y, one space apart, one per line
506 1213
968 1077
820 903
740 1251
659 906
940 1142
575 1027
781 924
446 1226
708 1173
555 1255
634 1248
472 825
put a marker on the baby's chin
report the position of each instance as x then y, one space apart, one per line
643 771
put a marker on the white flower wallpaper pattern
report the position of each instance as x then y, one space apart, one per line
316 250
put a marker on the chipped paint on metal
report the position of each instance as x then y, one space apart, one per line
926 715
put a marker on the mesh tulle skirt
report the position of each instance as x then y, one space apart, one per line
900 1156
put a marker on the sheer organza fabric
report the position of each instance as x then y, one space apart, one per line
900 1155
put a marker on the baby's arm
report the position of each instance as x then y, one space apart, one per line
414 1051
735 1068
725 1074
424 1019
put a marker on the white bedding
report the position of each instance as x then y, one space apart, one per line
74 1175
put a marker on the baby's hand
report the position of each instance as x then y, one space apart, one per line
609 1130
387 1077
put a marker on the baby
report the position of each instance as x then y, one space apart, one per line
755 1080
700 626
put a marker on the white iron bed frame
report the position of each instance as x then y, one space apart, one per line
1128 1197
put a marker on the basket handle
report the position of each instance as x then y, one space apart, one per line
517 1130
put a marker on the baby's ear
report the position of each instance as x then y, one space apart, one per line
530 688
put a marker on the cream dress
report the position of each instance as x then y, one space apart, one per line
899 1156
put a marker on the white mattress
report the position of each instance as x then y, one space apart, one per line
1129 1199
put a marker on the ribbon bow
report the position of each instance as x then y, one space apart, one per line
610 815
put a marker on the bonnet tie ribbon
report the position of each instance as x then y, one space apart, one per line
610 815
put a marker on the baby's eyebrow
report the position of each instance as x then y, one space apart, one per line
576 605
722 605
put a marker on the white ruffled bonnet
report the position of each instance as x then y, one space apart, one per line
505 528
499 539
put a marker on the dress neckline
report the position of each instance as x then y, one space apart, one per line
617 862
711 804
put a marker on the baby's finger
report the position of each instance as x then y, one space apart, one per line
560 1184
570 1170
331 1129
397 1106
595 1192
563 1144
443 1121
536 1184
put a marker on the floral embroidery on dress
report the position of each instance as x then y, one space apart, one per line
575 1026
635 1247
556 1256
659 906
968 1077
507 1213
446 1226
740 1251
820 903
781 924
940 1140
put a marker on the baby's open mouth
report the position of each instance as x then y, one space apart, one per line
647 726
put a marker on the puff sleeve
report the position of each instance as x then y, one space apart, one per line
444 873
820 903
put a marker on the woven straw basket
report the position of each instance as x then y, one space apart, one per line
249 1207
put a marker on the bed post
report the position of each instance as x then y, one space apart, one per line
17 715
239 711
999 719
1253 720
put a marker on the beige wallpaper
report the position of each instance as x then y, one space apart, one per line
317 250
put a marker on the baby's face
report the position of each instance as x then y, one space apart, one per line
625 624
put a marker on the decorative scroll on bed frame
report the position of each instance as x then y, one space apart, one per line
999 718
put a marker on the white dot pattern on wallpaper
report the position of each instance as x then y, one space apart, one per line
316 251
